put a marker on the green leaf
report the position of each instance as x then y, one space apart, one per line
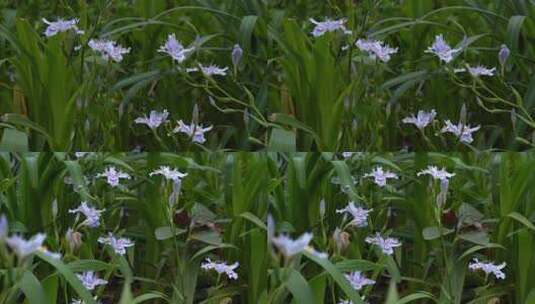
476 237
23 121
529 96
89 265
254 219
209 248
513 31
246 30
32 289
431 233
147 76
51 287
14 140
344 174
407 77
298 286
77 176
360 265
149 296
209 237
166 232
282 141
479 247
291 121
522 219
416 296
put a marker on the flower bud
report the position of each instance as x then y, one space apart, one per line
3 228
237 54
74 239
54 208
443 194
322 208
270 227
503 54
246 117
513 119
341 239
462 115
173 197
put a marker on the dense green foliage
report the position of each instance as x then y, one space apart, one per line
222 213
267 151
290 90
210 219
487 214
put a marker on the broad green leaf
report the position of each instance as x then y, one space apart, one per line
431 233
360 265
148 296
89 265
32 288
77 176
166 232
254 219
51 288
416 296
135 79
209 248
522 219
282 140
298 286
246 30
291 121
513 31
476 248
476 237
14 140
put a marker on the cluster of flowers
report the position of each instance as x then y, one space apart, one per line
119 245
380 50
107 48
113 175
92 215
290 247
92 219
193 130
376 49
111 50
380 176
462 131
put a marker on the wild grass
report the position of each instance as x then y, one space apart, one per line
289 92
